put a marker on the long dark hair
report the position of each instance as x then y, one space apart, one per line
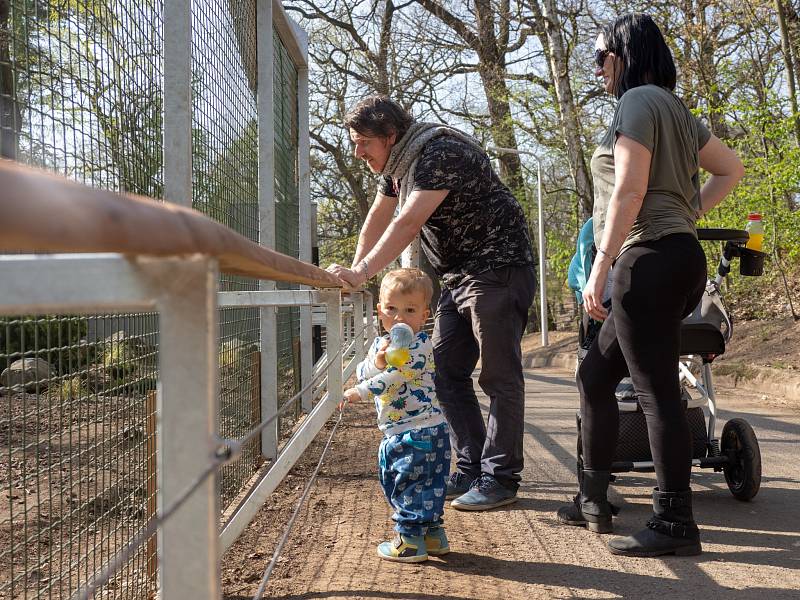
378 115
646 58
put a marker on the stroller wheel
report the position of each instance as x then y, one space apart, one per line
743 471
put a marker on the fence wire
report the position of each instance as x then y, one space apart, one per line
77 437
298 507
229 451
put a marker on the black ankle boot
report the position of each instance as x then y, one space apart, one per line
590 508
672 529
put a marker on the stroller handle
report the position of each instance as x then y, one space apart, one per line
723 235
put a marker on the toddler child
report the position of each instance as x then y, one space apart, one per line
414 456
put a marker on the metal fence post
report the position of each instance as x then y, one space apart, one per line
347 316
370 315
266 209
187 424
177 143
359 323
178 102
151 411
304 200
333 333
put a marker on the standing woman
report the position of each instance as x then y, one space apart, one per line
647 199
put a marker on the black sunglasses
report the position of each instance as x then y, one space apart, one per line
600 57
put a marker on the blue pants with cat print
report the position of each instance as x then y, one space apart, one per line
414 467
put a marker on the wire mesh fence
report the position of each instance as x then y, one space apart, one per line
286 218
225 176
77 437
81 94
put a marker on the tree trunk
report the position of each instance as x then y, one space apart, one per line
789 59
492 71
707 70
555 48
382 58
792 19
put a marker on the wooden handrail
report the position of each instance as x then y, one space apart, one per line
43 212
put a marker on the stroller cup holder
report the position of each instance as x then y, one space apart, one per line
751 262
704 335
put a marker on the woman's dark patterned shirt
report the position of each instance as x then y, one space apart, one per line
479 225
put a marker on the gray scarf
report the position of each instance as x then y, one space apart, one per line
402 162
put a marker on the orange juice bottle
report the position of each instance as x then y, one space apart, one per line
756 230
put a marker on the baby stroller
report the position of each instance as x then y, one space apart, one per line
704 334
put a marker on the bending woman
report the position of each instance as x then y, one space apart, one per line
647 199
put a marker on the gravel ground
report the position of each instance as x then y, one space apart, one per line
520 551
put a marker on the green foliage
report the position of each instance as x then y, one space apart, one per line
772 178
57 340
83 70
226 185
339 245
232 352
769 151
560 250
70 388
119 356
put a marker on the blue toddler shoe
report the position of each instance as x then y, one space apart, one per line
404 548
436 541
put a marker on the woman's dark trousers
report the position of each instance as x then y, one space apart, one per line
656 284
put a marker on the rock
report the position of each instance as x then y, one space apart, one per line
24 374
97 378
132 436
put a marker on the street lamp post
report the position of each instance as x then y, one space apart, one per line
542 271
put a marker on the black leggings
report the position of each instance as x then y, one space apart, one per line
656 284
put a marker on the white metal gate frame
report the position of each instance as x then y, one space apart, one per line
184 292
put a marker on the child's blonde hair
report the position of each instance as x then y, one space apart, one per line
407 281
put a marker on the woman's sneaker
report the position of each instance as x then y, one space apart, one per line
458 484
436 541
404 548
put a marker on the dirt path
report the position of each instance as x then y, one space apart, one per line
751 549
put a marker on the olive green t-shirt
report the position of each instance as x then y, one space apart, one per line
660 121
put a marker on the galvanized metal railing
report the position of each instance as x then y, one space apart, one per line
127 253
200 103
